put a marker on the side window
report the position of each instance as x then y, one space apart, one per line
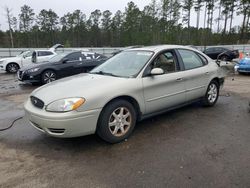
190 59
48 53
165 61
205 62
29 54
209 50
74 56
44 53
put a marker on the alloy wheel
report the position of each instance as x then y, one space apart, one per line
120 121
212 93
12 68
49 77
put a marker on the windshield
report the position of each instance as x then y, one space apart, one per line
57 57
124 64
24 53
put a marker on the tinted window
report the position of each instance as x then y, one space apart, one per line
91 55
209 50
165 61
74 56
190 59
44 53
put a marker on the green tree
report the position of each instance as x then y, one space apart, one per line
47 20
244 8
131 24
106 22
26 18
187 6
116 27
93 25
197 7
72 26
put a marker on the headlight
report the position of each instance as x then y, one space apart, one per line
65 105
33 70
1 62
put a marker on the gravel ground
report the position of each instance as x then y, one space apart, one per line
189 147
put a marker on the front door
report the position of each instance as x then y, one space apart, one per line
166 90
71 66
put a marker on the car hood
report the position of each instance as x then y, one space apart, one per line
11 59
82 85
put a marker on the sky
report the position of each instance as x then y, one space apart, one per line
62 7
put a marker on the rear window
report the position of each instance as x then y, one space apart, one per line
190 59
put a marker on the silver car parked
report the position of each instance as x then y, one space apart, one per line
133 85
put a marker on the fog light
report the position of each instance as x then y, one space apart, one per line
31 76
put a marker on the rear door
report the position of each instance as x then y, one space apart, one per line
196 73
166 90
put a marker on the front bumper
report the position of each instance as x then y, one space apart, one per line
65 125
244 68
2 67
26 77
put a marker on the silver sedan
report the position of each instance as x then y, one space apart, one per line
134 84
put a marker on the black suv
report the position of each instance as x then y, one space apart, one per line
59 66
228 55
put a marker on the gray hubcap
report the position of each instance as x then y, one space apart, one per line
120 121
49 77
212 93
13 68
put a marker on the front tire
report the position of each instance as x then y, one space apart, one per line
117 121
12 68
48 76
212 94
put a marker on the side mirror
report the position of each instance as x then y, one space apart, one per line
157 71
65 60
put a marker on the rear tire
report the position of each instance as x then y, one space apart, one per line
48 76
212 94
12 67
117 121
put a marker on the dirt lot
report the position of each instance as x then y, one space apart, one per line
189 147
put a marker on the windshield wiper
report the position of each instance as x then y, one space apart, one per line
104 73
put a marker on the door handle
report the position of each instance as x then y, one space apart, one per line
179 79
207 72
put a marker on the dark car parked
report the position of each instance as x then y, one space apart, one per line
59 66
228 55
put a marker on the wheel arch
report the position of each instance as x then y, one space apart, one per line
12 63
216 79
131 100
48 69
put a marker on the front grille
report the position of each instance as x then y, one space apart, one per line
37 102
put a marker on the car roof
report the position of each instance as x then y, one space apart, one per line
158 48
